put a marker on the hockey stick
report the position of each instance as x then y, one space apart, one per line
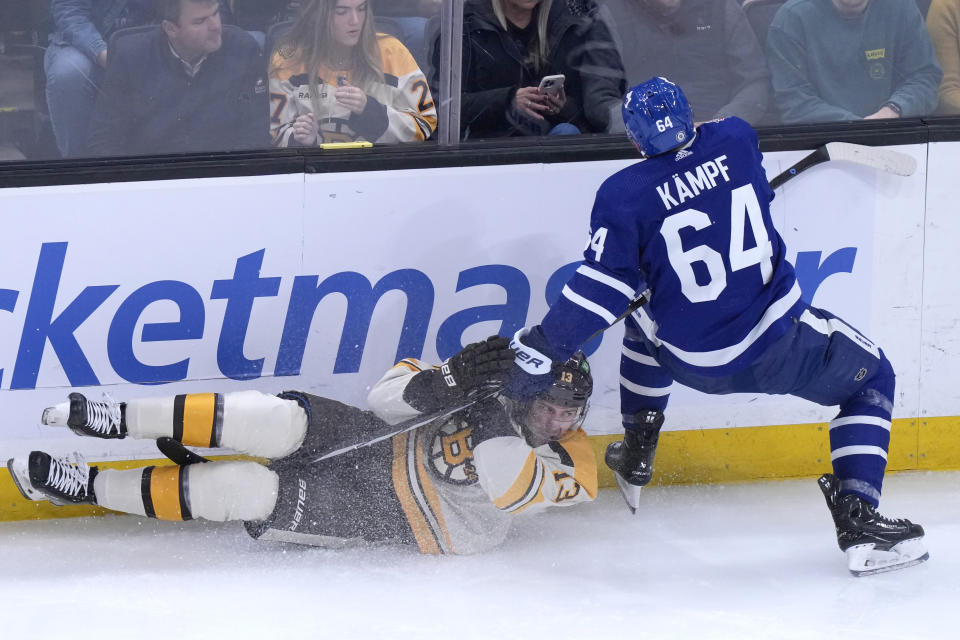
389 431
894 162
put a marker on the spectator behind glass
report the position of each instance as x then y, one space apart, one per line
411 17
75 60
943 23
334 79
851 59
510 45
705 46
188 85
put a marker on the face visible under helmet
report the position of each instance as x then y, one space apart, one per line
657 116
562 407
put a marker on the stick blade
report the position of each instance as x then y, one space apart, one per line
894 162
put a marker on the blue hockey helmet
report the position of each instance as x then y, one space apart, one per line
657 116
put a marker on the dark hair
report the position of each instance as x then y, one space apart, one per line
170 9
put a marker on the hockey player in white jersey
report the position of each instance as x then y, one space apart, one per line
689 227
451 486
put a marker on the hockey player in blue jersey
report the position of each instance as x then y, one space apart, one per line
689 228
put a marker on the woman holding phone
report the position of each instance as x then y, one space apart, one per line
334 79
532 67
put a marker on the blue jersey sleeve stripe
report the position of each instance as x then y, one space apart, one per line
639 357
720 357
599 293
588 305
610 281
653 392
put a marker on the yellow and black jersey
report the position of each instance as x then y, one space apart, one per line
461 479
400 109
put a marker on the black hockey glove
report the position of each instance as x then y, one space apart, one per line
477 367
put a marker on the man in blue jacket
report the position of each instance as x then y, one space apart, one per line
76 59
190 84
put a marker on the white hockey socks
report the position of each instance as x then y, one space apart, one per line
246 421
217 491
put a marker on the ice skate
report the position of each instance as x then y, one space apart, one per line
872 542
87 418
61 481
631 459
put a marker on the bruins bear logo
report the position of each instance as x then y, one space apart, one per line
451 453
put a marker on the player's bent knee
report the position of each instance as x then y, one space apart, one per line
883 381
262 424
239 490
879 388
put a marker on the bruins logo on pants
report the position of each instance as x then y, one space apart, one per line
451 453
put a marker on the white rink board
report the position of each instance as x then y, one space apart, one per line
940 355
498 231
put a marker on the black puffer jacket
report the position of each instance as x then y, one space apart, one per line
581 48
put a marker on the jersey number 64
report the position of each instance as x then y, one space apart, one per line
743 207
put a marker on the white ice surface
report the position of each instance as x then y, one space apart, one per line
706 562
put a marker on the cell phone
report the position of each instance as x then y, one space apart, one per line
552 85
341 81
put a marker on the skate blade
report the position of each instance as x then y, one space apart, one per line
19 475
630 493
21 479
865 560
56 416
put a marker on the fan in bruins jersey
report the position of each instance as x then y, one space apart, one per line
451 486
334 79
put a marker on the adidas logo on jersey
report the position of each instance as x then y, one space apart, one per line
683 153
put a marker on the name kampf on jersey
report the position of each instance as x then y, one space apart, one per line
692 183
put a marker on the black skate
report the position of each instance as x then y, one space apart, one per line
88 418
631 459
873 543
61 481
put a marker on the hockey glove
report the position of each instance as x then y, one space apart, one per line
531 374
476 368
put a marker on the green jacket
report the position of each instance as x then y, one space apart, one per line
827 67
